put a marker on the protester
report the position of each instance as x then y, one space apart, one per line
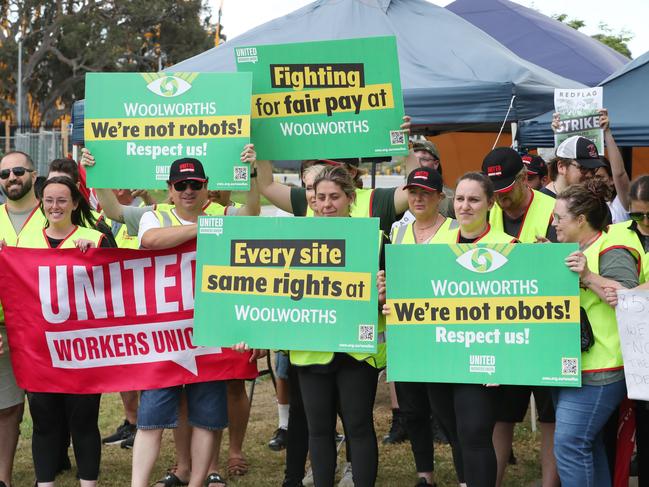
467 412
427 155
70 224
425 193
581 216
19 215
577 160
207 401
636 233
537 171
525 214
612 170
326 378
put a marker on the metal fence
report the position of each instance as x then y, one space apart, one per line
42 146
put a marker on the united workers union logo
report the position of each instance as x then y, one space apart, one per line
169 85
482 259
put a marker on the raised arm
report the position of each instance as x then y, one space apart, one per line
277 193
107 199
620 176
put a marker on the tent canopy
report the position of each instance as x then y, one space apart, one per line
454 76
625 97
451 72
542 40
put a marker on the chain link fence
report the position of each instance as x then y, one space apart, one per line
42 146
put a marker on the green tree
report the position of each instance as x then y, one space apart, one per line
65 39
615 40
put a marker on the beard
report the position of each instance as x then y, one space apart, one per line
16 191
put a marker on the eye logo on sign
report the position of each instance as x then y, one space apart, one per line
481 260
169 86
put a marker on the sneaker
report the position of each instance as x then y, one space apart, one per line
347 480
307 481
397 432
128 442
278 441
121 433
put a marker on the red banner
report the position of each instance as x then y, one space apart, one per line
109 320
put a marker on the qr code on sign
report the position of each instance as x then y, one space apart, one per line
397 137
241 173
365 333
569 366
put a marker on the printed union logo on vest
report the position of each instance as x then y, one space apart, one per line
482 260
211 225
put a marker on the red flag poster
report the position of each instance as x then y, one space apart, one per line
108 320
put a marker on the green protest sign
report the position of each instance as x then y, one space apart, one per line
483 314
137 124
287 283
325 99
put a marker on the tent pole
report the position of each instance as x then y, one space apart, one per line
373 174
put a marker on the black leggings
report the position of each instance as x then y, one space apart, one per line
353 383
297 434
416 414
467 414
82 413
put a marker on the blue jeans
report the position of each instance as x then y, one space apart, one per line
207 406
578 445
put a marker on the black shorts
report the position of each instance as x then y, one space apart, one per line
515 399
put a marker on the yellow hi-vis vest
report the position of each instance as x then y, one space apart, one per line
38 240
623 234
605 354
490 235
211 209
362 207
405 234
35 223
536 220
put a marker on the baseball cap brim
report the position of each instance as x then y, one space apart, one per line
181 178
590 163
504 185
422 186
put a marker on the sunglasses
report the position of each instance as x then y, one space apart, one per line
18 172
181 186
638 216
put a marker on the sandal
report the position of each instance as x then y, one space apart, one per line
171 480
237 466
214 478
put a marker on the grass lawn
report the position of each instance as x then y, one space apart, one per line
396 465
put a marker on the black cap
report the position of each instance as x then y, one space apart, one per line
426 178
502 165
582 150
186 168
536 165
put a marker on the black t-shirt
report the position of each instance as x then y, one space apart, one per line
55 242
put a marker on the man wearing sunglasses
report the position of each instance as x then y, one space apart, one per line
18 216
164 228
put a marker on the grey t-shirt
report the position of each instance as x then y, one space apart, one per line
18 219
